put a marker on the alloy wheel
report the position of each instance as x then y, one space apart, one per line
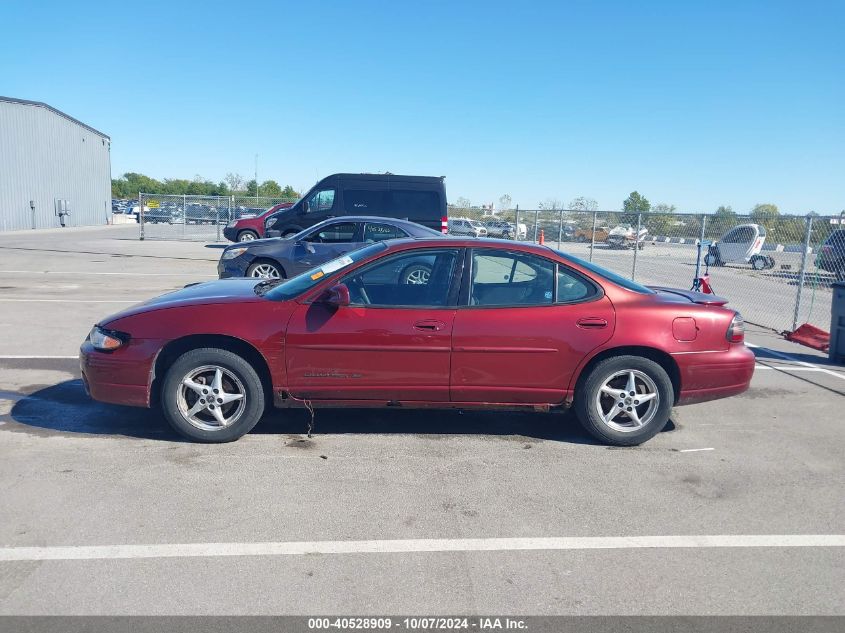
265 271
418 277
246 236
211 397
627 400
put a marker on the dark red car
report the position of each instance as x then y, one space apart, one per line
497 324
252 228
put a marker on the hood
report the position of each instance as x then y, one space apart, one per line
266 241
218 291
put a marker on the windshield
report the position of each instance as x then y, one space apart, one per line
611 276
295 286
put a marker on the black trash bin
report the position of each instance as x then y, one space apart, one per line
837 324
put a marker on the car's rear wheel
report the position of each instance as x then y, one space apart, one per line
758 262
265 269
247 236
416 275
212 395
625 400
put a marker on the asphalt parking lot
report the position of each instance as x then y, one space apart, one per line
387 512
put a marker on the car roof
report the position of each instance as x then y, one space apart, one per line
470 242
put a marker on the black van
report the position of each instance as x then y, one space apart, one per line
420 199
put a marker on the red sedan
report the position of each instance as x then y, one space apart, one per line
251 228
496 325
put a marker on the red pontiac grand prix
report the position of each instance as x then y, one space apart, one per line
495 325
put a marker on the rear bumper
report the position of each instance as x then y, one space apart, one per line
713 375
119 377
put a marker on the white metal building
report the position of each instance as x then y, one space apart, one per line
50 163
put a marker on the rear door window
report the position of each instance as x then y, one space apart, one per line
374 232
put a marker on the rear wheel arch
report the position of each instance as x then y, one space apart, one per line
660 357
174 349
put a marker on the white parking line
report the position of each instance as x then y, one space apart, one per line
3 300
695 450
67 272
188 550
18 357
785 356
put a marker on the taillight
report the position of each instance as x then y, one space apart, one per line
736 330
444 224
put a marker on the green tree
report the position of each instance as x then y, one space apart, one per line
252 188
765 214
661 220
290 193
633 205
270 188
582 203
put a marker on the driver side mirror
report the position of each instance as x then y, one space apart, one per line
336 296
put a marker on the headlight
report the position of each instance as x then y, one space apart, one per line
106 340
270 222
231 253
231 223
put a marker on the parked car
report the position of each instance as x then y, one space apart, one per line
586 235
500 228
420 199
464 226
506 230
496 325
626 236
278 258
251 227
831 255
741 245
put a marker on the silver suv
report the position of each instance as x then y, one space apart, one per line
463 226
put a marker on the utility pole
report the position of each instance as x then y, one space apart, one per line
256 176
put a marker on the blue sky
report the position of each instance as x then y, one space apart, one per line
692 104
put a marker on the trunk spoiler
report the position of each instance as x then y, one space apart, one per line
694 297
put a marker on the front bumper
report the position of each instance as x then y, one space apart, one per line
232 268
119 377
231 233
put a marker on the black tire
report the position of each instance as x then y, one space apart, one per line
253 399
758 262
420 273
250 272
590 385
247 236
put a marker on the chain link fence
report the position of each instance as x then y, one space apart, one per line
183 217
777 271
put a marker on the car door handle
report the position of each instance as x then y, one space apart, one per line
591 323
430 325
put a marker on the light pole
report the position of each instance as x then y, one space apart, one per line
256 177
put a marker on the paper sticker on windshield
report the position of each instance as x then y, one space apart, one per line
337 264
317 275
548 294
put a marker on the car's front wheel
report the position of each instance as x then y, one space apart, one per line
247 236
625 400
264 269
212 395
